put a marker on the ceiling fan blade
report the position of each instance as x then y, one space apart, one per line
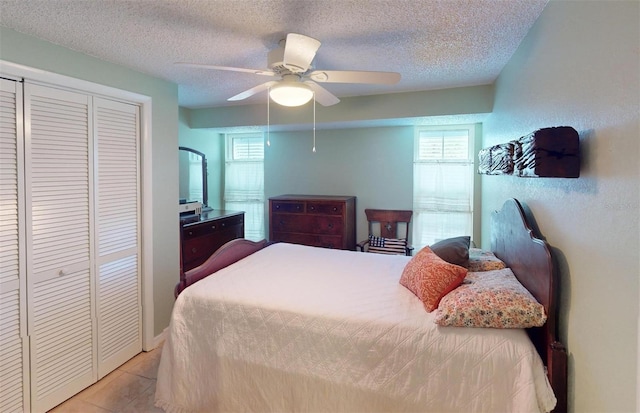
354 76
322 95
254 90
299 51
230 69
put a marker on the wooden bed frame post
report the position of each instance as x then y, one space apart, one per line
557 372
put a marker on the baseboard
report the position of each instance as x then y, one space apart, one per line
157 340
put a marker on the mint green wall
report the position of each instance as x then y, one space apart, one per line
463 102
29 51
579 66
374 164
212 145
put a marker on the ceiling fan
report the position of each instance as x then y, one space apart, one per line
291 61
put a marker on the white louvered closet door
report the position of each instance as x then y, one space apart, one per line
59 205
14 344
118 234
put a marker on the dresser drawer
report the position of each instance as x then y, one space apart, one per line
200 239
205 228
310 224
326 241
290 206
316 220
325 208
195 251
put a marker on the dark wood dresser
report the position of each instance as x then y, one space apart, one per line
202 237
316 220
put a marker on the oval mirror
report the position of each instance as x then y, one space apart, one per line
193 176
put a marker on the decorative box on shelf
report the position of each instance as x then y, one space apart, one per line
546 153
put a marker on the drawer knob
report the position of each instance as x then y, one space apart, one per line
222 225
312 208
190 232
213 227
298 207
277 206
335 209
194 250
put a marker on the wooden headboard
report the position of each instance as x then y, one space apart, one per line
514 241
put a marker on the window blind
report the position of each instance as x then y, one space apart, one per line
442 184
244 181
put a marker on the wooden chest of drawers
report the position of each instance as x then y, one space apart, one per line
316 220
202 238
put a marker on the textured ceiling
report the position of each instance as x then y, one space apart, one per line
432 44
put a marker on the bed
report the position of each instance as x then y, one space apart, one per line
283 327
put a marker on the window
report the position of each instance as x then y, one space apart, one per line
195 184
443 174
244 180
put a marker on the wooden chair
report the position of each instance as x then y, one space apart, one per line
388 221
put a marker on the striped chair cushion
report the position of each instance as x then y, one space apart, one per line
382 245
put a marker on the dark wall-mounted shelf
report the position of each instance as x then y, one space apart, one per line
546 153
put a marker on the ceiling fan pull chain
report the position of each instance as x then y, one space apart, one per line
314 122
268 118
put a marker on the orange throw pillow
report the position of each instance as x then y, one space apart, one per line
430 277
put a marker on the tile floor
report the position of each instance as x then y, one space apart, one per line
128 389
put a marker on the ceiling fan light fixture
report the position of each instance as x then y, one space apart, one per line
291 94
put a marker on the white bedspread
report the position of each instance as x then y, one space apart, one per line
295 328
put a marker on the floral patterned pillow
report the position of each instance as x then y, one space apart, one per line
483 260
430 277
490 299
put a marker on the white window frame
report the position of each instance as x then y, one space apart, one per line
424 232
251 199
